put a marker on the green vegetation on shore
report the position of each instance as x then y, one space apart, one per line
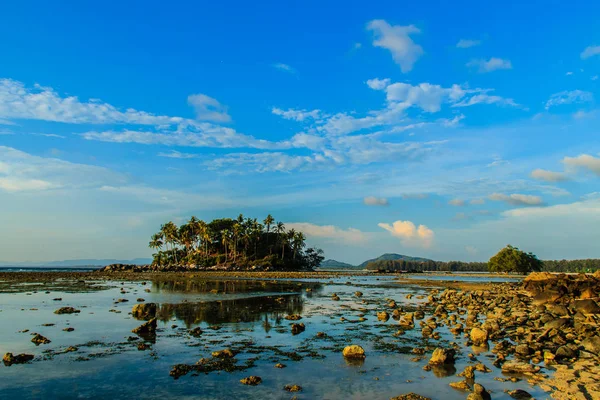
241 243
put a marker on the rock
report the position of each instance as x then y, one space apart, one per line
354 352
280 365
587 306
468 373
320 334
383 316
335 297
143 346
522 349
147 328
293 317
557 323
144 311
358 294
195 332
592 344
10 359
67 310
442 356
251 380
410 396
518 367
69 329
39 339
227 353
564 352
462 385
482 368
293 388
519 394
298 328
479 336
479 393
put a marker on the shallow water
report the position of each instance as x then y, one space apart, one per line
248 316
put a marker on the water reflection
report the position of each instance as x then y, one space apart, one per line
232 286
252 309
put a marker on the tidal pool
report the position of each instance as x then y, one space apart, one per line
247 316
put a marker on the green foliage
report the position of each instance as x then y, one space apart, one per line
511 259
412 265
241 243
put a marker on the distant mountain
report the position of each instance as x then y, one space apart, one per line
393 256
336 264
76 263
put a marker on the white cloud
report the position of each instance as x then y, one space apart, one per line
284 67
409 234
486 99
296 115
493 64
466 43
43 103
177 154
6 122
584 161
208 108
477 202
397 40
23 172
375 201
457 202
569 97
331 232
590 51
548 176
50 135
516 199
378 84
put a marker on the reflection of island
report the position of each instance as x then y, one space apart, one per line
231 311
233 286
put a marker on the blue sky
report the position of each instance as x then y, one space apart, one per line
431 129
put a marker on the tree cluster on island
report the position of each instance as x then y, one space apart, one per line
241 243
508 260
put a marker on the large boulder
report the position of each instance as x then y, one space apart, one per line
442 356
587 306
354 352
479 336
592 344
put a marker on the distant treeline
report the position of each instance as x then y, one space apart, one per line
588 265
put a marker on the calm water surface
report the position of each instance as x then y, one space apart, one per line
245 315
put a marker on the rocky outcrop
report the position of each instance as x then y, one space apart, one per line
67 310
10 359
144 311
354 352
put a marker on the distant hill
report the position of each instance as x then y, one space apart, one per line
393 256
76 263
336 264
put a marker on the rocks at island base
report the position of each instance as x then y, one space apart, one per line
298 328
39 339
519 394
227 353
293 388
144 311
442 356
354 352
251 380
67 310
10 359
479 393
410 396
146 329
479 336
383 316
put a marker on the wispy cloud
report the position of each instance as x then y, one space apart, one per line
548 176
296 115
569 97
492 64
208 108
590 51
375 201
516 199
177 154
397 39
584 161
466 43
457 202
284 67
330 232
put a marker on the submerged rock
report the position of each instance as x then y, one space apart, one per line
410 396
10 359
383 316
147 328
293 317
354 352
39 339
227 353
520 394
293 388
251 380
298 328
195 332
67 310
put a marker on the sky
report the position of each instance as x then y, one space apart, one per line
437 129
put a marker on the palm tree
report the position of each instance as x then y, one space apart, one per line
268 222
299 243
237 229
156 243
224 240
280 229
169 232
